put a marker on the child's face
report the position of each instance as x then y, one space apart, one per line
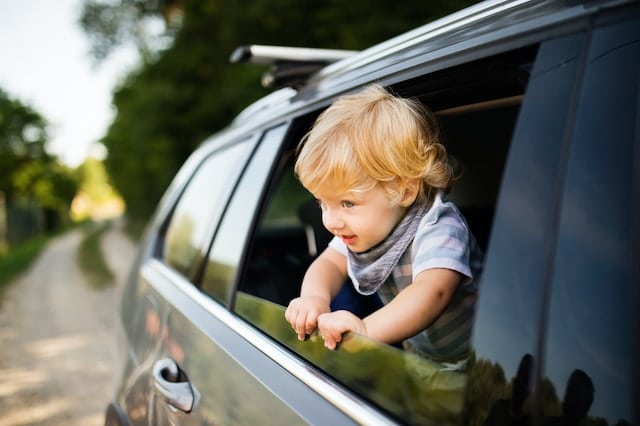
361 220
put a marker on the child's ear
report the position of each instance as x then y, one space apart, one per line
410 192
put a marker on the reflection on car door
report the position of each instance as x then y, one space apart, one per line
196 380
210 366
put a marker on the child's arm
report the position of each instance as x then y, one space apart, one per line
414 308
321 283
410 312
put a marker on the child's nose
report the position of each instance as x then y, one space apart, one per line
331 220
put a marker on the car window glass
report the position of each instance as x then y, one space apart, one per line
509 309
289 234
412 388
199 207
229 241
589 360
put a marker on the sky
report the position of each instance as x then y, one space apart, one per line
45 64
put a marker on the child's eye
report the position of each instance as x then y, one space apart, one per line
347 204
320 203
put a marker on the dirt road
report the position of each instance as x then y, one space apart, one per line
57 336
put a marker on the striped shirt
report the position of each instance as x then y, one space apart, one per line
443 240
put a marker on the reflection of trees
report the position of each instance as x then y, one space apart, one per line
491 400
218 278
413 389
180 250
486 384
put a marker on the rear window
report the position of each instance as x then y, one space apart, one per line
199 208
477 105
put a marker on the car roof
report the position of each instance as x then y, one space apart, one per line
463 31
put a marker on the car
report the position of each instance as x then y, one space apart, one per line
539 104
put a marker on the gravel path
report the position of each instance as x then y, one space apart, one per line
57 336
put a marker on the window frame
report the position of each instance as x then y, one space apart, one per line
261 152
183 181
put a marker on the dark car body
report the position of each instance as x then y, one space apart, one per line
539 103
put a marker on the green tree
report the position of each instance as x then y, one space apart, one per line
95 182
109 25
32 182
23 136
96 197
49 182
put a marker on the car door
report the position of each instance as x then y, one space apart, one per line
179 369
210 367
155 389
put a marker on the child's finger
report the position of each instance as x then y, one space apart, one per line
310 323
330 342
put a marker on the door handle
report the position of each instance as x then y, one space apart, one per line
173 386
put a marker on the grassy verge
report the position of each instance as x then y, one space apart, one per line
18 259
91 259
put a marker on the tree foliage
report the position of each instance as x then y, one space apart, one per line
23 136
50 183
28 174
187 90
96 198
110 25
26 169
95 182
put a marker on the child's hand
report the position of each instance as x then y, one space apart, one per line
333 325
302 313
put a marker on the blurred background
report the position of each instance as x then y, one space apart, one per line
157 74
102 101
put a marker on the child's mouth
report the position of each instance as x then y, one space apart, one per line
348 239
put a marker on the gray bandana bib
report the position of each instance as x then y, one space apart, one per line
370 269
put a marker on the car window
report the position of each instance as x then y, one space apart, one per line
510 304
188 230
589 360
222 264
478 107
413 389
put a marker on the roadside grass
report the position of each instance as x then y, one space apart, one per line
18 259
20 256
91 259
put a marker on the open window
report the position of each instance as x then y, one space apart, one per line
477 105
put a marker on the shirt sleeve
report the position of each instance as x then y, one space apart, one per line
442 241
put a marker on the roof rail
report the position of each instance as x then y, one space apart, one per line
290 66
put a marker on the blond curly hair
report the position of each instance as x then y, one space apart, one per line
375 138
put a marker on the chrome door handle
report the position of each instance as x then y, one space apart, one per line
173 386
